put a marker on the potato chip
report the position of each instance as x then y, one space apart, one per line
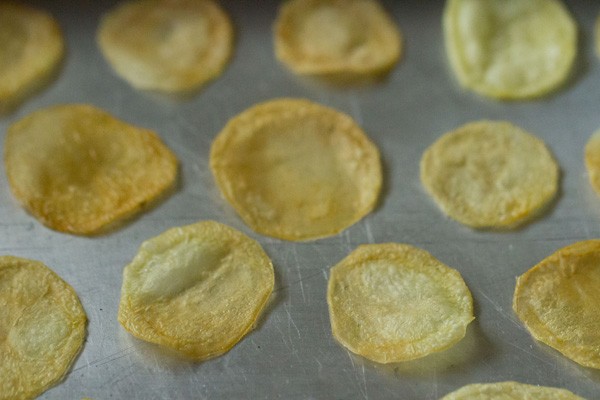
336 37
167 45
509 391
394 302
197 289
558 302
77 169
42 328
592 160
31 48
489 174
296 170
515 49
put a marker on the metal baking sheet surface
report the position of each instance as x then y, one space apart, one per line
291 353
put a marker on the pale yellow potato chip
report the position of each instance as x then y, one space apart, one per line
515 49
31 48
296 170
558 301
394 302
592 160
42 328
77 169
509 391
490 174
196 289
336 37
167 45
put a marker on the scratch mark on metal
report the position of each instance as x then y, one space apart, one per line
370 238
364 383
347 242
291 322
298 281
499 309
532 354
108 359
283 338
297 266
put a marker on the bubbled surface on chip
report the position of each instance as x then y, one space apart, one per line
196 289
336 37
490 174
510 49
167 45
509 391
77 169
42 328
558 301
394 302
296 170
31 47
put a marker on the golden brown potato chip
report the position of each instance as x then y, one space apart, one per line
296 170
197 289
558 301
489 174
394 302
509 391
167 45
77 169
31 47
336 37
510 50
42 328
592 160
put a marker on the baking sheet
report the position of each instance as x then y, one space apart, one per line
291 354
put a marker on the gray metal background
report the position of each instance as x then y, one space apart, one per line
291 354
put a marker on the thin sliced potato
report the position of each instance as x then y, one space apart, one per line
558 301
296 170
509 391
31 48
510 49
42 328
336 37
196 289
167 45
592 160
77 169
490 174
394 302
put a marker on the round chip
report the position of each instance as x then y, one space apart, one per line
394 302
42 328
31 47
77 169
336 37
509 391
167 45
296 170
515 49
489 174
197 289
558 301
592 160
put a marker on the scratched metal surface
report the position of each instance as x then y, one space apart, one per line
291 354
